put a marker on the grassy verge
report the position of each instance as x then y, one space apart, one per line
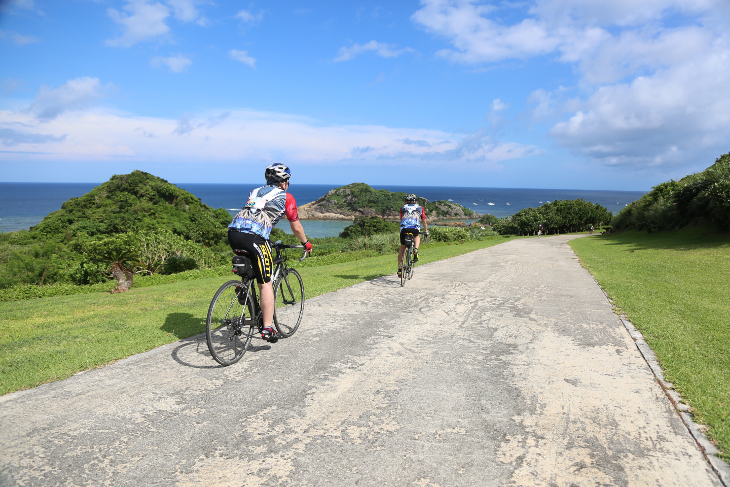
48 339
674 288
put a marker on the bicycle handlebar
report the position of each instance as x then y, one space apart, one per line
280 245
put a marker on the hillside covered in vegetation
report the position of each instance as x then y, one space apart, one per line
132 203
133 223
702 197
360 200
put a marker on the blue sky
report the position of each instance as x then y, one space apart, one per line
606 94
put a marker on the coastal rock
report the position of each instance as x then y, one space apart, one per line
360 200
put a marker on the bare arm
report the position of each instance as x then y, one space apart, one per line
298 230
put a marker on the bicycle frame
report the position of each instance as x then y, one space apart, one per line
279 264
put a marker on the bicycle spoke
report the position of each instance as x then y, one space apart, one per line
228 325
289 295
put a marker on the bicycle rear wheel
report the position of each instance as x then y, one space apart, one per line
230 324
410 270
289 296
406 267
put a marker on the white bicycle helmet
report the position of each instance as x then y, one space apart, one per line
277 173
411 198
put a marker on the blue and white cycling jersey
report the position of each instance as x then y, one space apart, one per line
411 215
262 211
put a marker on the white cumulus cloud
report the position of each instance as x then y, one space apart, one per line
651 74
142 21
184 10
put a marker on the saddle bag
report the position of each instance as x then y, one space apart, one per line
242 266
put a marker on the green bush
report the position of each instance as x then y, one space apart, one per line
85 273
448 234
559 216
179 263
488 219
367 226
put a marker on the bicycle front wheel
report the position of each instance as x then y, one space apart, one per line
289 296
230 324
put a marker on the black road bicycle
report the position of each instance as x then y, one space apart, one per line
408 263
234 315
407 270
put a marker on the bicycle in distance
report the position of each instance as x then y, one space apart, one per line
235 316
408 263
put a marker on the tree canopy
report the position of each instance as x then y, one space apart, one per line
559 216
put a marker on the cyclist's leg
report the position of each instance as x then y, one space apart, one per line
259 252
263 268
416 243
266 296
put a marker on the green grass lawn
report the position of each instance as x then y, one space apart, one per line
675 288
48 339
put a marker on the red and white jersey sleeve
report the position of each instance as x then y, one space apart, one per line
290 209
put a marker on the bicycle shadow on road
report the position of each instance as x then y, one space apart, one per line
390 280
192 350
357 277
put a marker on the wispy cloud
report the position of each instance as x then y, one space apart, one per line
19 39
143 21
11 137
381 48
22 5
176 64
75 94
250 17
236 135
242 57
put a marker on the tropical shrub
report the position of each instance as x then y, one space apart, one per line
367 226
488 219
696 198
559 216
448 234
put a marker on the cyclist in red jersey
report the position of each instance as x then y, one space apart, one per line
250 229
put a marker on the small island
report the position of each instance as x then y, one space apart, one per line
360 200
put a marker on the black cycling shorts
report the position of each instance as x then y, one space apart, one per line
404 231
258 250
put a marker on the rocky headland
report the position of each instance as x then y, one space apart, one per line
360 200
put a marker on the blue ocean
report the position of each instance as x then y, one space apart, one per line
23 205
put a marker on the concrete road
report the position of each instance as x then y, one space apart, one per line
505 366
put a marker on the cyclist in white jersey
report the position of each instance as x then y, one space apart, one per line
411 216
250 229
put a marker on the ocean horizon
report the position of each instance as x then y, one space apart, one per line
23 205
